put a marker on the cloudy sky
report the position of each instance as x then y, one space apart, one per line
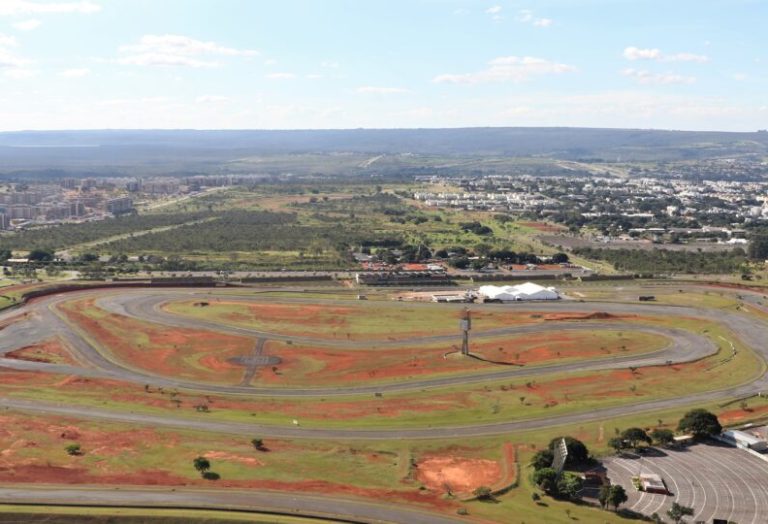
210 64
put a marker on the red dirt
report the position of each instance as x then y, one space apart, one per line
438 472
51 350
737 415
543 226
597 315
165 350
60 469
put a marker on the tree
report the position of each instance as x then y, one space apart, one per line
700 423
616 443
546 479
569 485
542 459
677 512
560 258
612 496
634 436
662 436
577 451
758 247
258 444
483 493
40 255
459 262
202 465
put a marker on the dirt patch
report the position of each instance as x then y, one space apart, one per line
543 227
221 455
49 351
597 315
458 474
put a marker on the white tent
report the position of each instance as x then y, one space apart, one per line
527 291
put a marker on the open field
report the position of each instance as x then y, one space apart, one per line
126 376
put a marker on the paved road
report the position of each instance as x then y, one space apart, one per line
332 508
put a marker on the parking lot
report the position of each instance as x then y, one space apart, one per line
715 480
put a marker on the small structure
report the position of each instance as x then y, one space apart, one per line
681 441
520 292
560 453
458 297
465 324
744 440
652 483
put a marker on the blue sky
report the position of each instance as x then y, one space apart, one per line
277 64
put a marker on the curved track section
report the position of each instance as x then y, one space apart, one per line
685 346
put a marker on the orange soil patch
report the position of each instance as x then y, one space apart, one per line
597 315
543 347
48 466
440 472
221 455
50 351
318 366
543 226
738 415
163 350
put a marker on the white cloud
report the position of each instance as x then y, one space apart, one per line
176 50
313 76
27 25
7 41
508 69
22 7
495 12
19 73
329 64
686 57
526 16
270 62
281 76
211 99
636 53
381 90
646 77
75 73
13 66
739 77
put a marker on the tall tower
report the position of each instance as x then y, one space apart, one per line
465 324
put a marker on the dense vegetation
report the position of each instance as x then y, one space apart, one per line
66 235
666 261
244 231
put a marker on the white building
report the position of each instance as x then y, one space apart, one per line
744 440
526 291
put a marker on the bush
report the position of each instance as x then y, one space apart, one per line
73 450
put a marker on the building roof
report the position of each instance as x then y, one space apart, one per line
527 290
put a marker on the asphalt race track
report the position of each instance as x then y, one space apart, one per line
39 320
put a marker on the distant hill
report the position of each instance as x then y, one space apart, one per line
184 150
